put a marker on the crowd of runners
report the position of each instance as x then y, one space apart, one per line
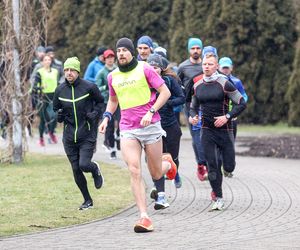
134 96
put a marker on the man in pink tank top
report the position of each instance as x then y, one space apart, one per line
133 86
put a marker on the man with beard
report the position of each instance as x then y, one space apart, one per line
134 86
78 104
187 70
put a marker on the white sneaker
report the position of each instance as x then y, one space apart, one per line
227 174
218 204
161 202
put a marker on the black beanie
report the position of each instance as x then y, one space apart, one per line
127 43
100 51
49 49
156 60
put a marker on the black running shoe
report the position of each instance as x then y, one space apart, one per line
113 155
98 178
86 205
118 144
154 193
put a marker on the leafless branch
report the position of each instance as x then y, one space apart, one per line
33 21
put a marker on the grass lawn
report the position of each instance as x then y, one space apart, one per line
41 194
279 128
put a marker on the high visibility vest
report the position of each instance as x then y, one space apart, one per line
49 80
131 87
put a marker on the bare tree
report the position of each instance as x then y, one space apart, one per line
23 28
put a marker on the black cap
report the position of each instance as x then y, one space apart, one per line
49 49
127 43
100 51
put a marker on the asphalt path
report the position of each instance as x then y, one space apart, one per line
262 211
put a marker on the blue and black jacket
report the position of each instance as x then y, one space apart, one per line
78 102
177 98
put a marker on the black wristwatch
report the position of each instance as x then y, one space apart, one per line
152 110
228 116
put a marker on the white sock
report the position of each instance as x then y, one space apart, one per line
169 164
144 215
161 193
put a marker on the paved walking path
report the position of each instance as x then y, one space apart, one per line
262 211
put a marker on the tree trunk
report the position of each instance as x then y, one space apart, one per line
17 156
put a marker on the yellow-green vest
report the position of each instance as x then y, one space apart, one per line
49 80
131 87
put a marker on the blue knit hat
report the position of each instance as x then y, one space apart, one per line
194 41
209 49
145 40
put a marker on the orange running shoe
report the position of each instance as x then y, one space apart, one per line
173 170
143 225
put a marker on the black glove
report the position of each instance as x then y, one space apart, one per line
60 116
91 116
36 90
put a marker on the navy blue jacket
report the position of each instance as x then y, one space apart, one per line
177 98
